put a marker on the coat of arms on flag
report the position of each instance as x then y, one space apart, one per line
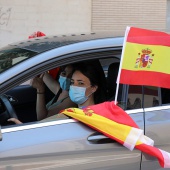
145 58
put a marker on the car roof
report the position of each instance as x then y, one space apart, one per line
42 44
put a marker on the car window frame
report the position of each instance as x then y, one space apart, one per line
53 63
76 57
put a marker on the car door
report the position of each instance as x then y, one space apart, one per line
157 121
156 112
62 144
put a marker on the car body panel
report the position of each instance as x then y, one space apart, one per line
157 125
64 145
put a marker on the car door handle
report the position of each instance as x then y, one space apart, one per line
98 138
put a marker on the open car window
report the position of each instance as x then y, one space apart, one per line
26 96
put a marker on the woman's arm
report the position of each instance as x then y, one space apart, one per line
51 83
41 106
41 110
55 109
16 121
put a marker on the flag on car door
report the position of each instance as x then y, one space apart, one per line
145 58
115 123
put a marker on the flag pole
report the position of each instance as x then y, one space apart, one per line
143 98
120 66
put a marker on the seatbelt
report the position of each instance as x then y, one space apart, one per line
56 96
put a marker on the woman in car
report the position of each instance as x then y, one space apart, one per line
60 88
88 84
87 87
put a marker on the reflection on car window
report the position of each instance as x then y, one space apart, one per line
10 57
135 97
26 82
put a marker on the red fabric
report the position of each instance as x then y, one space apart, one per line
144 78
144 36
54 72
112 112
36 34
153 151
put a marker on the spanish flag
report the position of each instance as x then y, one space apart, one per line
115 123
145 58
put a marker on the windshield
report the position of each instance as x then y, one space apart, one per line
12 56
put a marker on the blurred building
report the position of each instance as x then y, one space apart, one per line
20 18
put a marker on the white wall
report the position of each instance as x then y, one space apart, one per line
20 18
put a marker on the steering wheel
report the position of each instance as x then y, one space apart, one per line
6 111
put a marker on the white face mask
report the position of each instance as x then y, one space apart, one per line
78 94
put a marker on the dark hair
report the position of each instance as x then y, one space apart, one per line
94 72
